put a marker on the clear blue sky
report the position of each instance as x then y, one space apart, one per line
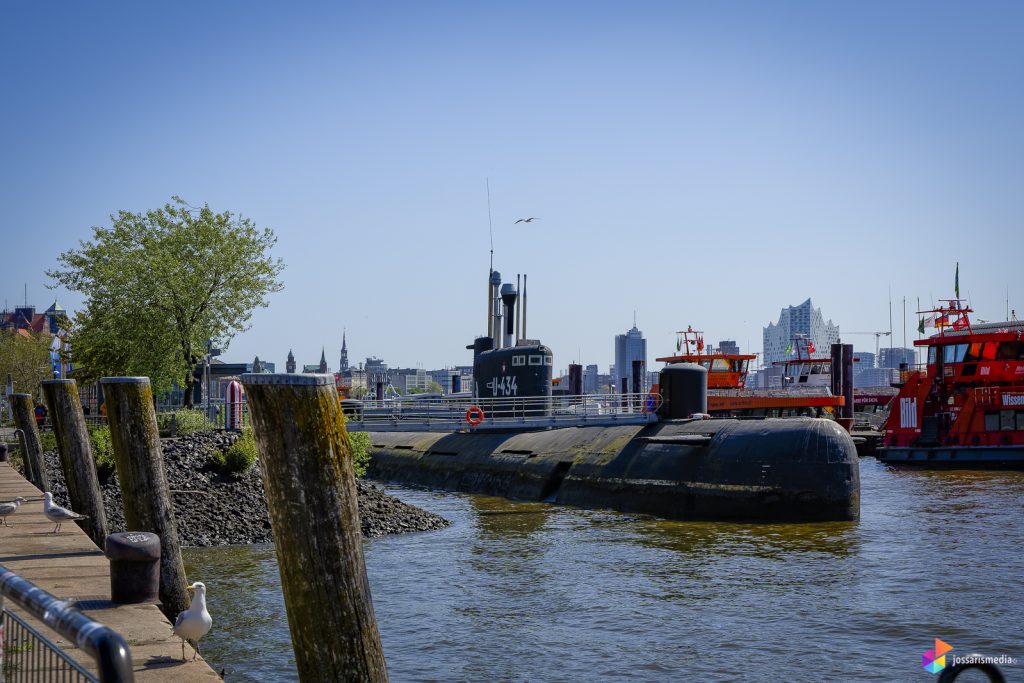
699 163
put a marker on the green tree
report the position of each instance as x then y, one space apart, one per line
26 359
159 284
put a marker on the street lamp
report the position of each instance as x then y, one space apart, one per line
210 353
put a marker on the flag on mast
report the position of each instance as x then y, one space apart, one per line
956 281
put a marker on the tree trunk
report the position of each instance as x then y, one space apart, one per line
190 382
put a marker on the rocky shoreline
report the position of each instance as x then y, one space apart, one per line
213 508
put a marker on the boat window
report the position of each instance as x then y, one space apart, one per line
742 365
954 353
536 360
991 422
547 360
518 360
1010 350
1020 420
932 354
1007 420
706 364
721 365
988 351
973 352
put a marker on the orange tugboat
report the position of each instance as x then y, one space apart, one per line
966 407
806 390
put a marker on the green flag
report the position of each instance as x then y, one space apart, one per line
920 326
789 349
956 281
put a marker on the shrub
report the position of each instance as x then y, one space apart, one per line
217 458
186 421
48 440
102 447
360 451
241 455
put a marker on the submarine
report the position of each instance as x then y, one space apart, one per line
668 458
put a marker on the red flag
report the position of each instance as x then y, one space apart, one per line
960 323
810 347
700 344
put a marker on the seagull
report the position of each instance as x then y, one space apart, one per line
195 622
57 514
527 220
10 508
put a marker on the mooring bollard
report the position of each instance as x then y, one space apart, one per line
140 469
306 463
76 456
32 447
134 566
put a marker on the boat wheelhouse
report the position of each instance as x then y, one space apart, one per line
725 370
965 408
806 391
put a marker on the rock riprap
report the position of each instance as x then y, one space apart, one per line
215 508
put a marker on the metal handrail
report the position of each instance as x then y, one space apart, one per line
530 411
105 646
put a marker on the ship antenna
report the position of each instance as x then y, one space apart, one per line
490 225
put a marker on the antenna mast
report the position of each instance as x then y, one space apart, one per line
490 225
490 293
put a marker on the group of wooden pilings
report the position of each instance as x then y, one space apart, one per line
138 459
308 479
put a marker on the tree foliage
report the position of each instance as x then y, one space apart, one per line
26 359
159 284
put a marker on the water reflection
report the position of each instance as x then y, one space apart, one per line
530 591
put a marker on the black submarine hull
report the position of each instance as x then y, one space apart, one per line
770 470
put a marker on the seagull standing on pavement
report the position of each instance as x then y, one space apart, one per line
10 508
56 514
527 220
195 622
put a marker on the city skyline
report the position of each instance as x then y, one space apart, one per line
847 153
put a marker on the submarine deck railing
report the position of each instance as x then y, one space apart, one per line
26 654
480 414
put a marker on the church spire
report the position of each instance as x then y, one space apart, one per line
343 361
323 360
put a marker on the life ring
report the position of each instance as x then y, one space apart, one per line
474 415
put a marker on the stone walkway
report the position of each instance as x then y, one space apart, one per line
70 566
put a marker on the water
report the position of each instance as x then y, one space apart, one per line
535 592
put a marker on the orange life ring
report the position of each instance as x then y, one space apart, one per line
474 415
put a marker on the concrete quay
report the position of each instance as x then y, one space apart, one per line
70 566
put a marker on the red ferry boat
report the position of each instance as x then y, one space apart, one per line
966 408
805 392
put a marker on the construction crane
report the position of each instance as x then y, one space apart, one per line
878 336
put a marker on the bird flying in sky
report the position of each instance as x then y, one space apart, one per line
527 220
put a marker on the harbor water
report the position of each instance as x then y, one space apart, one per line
535 592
